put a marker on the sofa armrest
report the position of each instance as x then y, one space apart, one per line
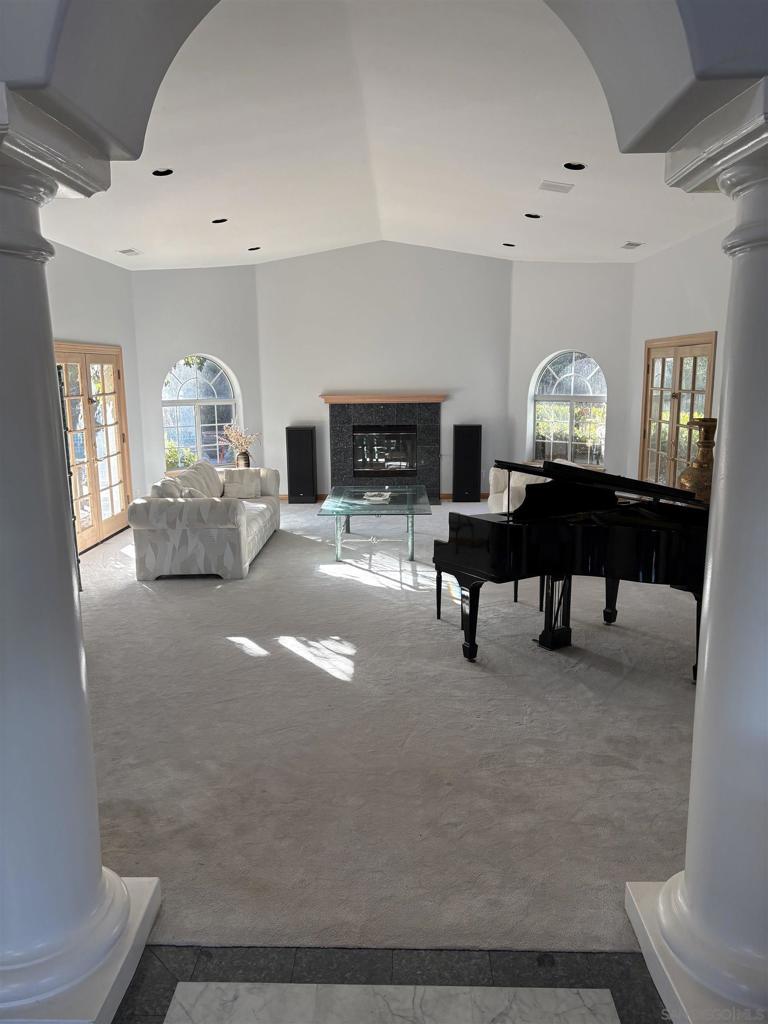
270 482
185 513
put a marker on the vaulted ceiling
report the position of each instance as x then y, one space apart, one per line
314 124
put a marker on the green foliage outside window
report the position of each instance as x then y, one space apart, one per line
178 458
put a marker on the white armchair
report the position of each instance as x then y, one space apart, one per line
199 530
507 490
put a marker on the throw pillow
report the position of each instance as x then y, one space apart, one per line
213 484
191 478
242 483
192 492
166 488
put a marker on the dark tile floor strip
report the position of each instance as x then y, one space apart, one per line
162 967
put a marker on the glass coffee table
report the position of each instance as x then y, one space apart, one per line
404 500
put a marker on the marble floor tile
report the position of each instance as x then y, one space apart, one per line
237 1003
222 1003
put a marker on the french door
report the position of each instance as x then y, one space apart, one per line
94 403
679 374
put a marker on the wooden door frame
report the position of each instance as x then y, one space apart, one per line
70 349
673 341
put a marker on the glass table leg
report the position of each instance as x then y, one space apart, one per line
410 538
339 534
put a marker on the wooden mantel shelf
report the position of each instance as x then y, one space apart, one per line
369 398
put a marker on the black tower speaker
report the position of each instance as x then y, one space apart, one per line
467 445
302 465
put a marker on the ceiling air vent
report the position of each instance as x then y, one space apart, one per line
555 186
632 245
129 252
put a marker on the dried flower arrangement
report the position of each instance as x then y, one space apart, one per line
237 438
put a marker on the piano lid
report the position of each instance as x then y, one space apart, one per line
563 473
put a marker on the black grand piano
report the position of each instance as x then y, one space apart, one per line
576 523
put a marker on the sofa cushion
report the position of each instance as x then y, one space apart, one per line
192 477
214 484
166 488
262 517
192 492
242 483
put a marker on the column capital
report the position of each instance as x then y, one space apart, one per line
709 156
40 156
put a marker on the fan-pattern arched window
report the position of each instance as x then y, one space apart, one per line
569 410
198 402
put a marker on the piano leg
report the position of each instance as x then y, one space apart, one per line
514 592
695 668
557 614
611 593
541 592
470 602
438 591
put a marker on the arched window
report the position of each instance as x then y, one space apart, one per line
198 402
569 410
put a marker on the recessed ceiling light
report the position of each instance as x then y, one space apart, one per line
574 166
509 245
220 220
163 172
632 245
129 252
254 248
533 216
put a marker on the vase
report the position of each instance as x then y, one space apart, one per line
243 460
698 476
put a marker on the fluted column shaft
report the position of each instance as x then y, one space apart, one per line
714 915
60 911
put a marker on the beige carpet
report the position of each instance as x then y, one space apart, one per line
305 757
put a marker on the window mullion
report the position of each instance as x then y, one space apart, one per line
198 432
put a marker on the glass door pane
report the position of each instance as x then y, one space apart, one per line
109 437
658 404
75 403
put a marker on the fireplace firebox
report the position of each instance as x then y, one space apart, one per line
383 450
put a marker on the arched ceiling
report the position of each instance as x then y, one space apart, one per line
315 124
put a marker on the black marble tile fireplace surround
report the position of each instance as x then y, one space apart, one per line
425 416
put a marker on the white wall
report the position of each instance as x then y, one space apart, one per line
92 301
581 306
683 290
179 312
386 316
380 317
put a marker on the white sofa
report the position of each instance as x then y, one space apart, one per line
188 526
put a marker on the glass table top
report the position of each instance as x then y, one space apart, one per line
404 500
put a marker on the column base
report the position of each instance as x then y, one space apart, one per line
687 1000
95 999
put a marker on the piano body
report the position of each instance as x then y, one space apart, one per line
579 523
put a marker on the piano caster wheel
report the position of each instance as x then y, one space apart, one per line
470 651
609 616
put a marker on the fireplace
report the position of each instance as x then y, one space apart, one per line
379 440
383 450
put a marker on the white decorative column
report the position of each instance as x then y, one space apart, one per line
704 932
71 931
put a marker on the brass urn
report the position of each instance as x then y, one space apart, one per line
697 477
